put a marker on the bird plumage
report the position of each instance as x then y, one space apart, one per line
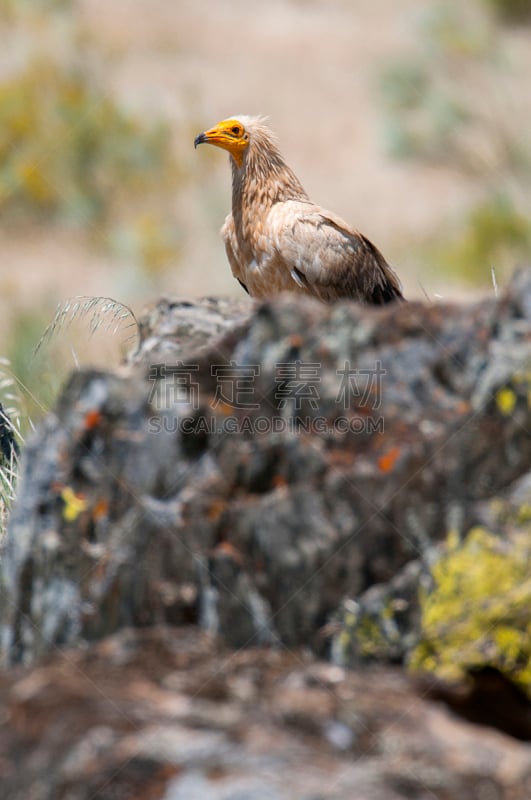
277 240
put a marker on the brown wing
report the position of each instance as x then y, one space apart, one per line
327 257
228 234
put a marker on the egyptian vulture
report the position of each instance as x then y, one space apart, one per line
278 240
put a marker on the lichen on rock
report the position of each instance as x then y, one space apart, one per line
476 614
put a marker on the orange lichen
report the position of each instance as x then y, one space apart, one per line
101 509
92 419
228 549
388 460
215 510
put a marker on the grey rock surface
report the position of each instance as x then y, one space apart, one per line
168 714
257 486
253 467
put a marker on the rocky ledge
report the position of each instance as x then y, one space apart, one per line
160 714
292 482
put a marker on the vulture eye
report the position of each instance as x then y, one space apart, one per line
235 130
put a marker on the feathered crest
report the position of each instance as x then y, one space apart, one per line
257 124
252 120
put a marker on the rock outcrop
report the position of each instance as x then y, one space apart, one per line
281 476
162 714
253 481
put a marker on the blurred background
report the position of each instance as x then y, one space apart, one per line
411 120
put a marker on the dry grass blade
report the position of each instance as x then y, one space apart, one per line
494 281
8 479
10 437
11 401
104 313
425 293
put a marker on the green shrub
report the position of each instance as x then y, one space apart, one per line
425 111
36 379
435 110
14 8
68 151
433 98
512 11
493 234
